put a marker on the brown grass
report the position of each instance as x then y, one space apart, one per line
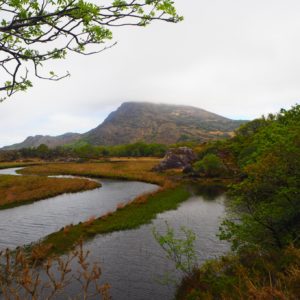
138 169
16 164
16 190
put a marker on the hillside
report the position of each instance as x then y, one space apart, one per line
148 122
50 141
160 123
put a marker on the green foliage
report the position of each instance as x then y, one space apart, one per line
64 26
211 165
139 149
180 250
267 202
84 150
250 275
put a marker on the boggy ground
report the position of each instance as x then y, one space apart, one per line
134 169
19 190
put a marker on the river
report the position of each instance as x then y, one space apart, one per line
132 262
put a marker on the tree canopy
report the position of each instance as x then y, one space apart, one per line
267 202
35 31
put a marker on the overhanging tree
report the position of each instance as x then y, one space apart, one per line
35 31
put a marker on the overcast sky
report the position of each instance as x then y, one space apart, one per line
237 58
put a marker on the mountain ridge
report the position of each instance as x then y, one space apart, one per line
148 122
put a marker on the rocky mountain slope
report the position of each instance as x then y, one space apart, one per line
160 123
148 122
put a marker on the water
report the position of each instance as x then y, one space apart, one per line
10 171
132 262
29 223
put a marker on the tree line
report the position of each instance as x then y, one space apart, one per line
83 150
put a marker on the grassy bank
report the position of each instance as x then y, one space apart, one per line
6 165
127 170
18 190
140 211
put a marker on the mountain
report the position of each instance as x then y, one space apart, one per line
50 141
160 123
148 122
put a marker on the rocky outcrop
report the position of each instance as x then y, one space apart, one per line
182 158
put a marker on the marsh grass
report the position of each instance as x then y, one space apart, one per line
19 190
127 170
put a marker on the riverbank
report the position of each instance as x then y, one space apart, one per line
20 190
6 165
130 216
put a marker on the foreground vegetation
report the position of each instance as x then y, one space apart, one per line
19 190
264 221
251 275
25 278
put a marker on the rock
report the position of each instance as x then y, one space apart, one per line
188 169
182 158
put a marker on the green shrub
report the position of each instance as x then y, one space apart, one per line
211 165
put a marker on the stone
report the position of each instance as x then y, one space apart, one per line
182 157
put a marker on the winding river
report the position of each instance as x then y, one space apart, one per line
28 223
132 262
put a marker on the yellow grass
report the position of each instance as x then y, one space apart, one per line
16 190
16 164
138 169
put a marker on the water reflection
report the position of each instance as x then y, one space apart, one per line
208 191
134 264
28 223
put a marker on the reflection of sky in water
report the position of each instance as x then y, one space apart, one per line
28 223
131 261
134 264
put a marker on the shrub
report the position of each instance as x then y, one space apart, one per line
211 165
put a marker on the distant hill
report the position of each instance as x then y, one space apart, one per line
50 141
160 123
148 122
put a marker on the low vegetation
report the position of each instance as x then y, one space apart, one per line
19 190
128 170
248 276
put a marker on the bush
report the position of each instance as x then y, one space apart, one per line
211 165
